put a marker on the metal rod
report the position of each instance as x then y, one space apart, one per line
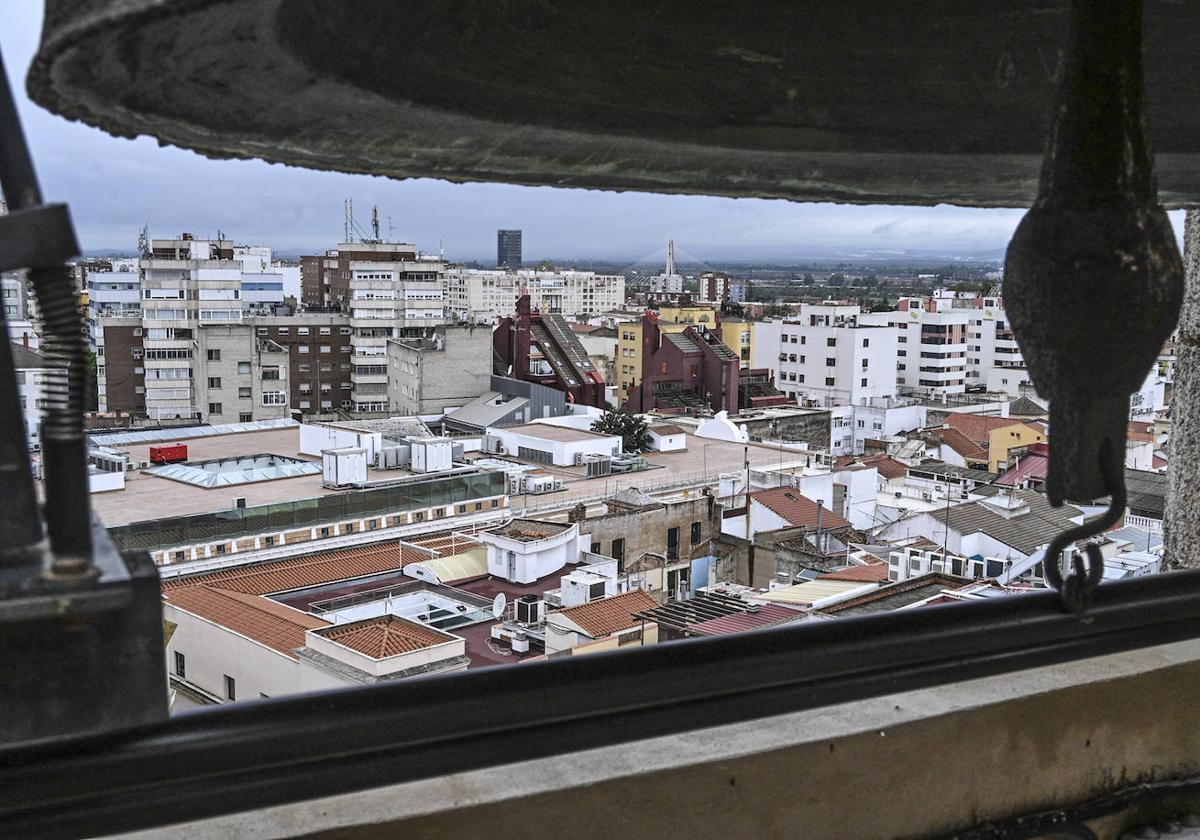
64 447
20 525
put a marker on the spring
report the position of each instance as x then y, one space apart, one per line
66 348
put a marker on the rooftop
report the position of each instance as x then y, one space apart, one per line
547 431
277 626
887 466
240 469
894 596
1026 532
966 473
609 615
867 573
798 509
978 427
385 636
809 592
307 570
528 530
960 443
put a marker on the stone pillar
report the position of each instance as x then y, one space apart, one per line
1183 495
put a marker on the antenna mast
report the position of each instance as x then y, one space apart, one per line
375 223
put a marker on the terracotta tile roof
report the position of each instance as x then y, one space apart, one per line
797 509
963 445
868 573
609 615
977 427
385 636
887 466
667 429
308 570
274 625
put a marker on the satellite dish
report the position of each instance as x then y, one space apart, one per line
498 605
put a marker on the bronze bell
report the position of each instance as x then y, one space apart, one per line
1094 279
857 101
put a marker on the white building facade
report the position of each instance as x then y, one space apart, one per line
487 296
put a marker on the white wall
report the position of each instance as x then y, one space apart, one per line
862 492
317 437
212 651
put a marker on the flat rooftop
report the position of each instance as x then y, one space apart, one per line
545 431
147 496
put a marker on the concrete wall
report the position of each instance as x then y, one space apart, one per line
431 380
645 530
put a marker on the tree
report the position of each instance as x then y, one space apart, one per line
632 428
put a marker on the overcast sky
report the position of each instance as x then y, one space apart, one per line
115 186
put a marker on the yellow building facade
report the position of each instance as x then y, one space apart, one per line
1006 438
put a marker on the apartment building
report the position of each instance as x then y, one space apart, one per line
444 370
389 290
990 340
173 335
319 353
826 356
484 297
931 352
242 378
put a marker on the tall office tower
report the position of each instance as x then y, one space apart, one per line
508 249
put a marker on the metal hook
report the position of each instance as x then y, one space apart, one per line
1076 590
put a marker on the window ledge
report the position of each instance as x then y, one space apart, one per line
919 762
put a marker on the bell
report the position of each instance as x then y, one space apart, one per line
859 101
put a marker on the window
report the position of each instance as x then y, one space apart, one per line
864 382
180 666
618 549
831 342
230 688
301 330
325 348
244 393
303 348
274 398
243 367
214 408
214 382
830 362
324 330
829 381
864 364
245 417
866 342
214 355
695 533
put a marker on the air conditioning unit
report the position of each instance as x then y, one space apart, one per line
579 459
925 496
529 609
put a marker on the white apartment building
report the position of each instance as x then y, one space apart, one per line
931 349
826 357
487 296
388 298
990 342
851 426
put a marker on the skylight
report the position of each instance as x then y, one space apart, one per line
245 469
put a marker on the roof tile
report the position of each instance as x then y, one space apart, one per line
608 615
384 636
277 626
797 509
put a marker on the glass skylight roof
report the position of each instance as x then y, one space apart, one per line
185 432
245 469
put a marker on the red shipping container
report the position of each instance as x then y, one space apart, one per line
170 453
